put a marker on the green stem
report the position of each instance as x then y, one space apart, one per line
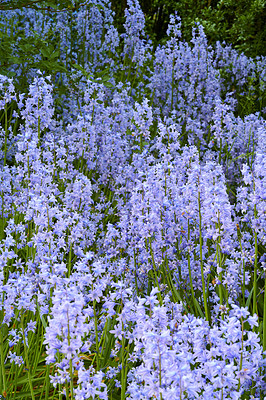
176 295
6 133
39 126
241 355
264 317
2 231
123 371
219 260
96 335
3 386
60 391
220 151
70 363
255 269
173 79
124 68
47 382
155 273
69 260
16 380
71 379
136 278
67 391
141 142
244 270
27 359
160 371
190 274
201 263
220 273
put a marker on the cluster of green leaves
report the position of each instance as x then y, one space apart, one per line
241 23
36 52
27 51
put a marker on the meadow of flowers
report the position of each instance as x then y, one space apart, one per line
133 213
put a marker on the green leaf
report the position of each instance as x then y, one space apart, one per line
78 67
16 60
26 47
45 52
102 73
60 68
50 66
49 52
9 74
249 298
44 323
105 78
108 84
55 54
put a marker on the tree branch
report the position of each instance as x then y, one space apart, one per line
27 3
33 3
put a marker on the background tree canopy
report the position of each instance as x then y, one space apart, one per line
36 4
240 23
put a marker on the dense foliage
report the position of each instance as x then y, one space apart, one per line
241 23
132 208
